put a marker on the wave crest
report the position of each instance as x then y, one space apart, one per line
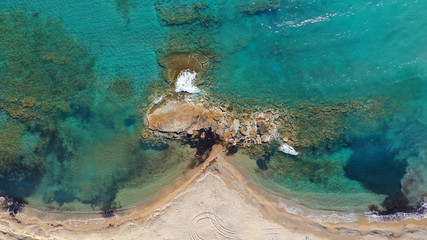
185 82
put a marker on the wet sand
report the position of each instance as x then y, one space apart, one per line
213 201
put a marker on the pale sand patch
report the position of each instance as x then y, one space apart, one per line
214 201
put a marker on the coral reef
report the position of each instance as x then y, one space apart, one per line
45 76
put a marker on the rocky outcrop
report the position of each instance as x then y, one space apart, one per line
179 118
182 118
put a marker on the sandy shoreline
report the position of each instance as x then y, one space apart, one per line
213 201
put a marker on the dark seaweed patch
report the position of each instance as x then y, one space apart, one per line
109 210
203 143
12 204
62 196
398 203
232 150
108 213
130 121
264 160
262 164
82 111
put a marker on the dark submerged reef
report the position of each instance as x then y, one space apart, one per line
179 14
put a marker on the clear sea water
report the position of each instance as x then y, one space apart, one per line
76 75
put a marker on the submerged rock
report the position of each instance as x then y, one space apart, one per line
12 205
180 14
259 7
178 62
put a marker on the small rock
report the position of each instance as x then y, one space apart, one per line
227 135
253 132
244 131
265 138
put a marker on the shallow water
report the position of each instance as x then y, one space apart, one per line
76 76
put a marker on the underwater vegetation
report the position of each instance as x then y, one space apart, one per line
45 76
186 13
350 147
64 138
190 28
260 6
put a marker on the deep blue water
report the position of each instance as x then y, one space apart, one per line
86 67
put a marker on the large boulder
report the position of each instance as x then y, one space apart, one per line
180 117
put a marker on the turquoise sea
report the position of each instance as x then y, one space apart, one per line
351 76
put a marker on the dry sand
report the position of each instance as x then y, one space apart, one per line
214 201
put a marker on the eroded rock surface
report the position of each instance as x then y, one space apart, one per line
182 117
177 118
177 62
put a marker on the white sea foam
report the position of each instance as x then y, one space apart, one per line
185 82
421 213
326 17
288 149
159 99
331 217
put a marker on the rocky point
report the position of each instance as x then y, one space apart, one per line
177 118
